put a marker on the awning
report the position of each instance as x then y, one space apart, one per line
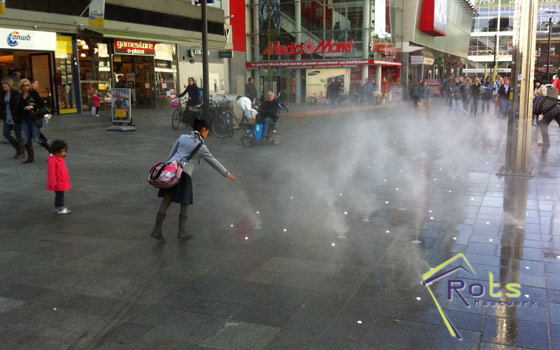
119 34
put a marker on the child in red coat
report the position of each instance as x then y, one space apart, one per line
58 179
96 102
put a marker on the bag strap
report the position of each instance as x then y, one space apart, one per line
193 152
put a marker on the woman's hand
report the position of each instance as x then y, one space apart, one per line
232 178
28 108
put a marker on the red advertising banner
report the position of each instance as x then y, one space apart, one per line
434 17
133 47
322 63
308 47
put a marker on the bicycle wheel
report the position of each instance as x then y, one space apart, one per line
221 126
176 119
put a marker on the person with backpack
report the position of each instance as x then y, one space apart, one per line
187 145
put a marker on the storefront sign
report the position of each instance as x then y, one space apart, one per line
384 47
2 7
322 63
428 61
133 47
19 39
225 54
120 105
308 47
416 59
434 17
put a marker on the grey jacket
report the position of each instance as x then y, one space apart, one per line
183 147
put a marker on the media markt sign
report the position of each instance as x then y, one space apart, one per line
21 39
308 47
470 292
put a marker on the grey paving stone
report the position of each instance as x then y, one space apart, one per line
402 334
517 333
271 313
241 335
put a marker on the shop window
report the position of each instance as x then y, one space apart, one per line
64 81
165 74
95 71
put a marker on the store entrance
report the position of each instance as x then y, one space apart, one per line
137 75
30 65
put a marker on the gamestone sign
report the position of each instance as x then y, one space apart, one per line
133 47
322 63
308 47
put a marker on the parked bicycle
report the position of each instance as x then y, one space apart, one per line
182 115
224 119
282 109
313 100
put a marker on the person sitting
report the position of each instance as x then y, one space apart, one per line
245 105
268 112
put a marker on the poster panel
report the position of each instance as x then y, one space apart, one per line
120 106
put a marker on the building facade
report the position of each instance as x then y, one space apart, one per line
490 48
139 47
298 46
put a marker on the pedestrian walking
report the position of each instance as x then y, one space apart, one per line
182 193
58 179
251 90
448 88
457 99
368 92
11 120
467 94
503 96
425 98
35 86
540 90
476 91
29 102
415 93
487 94
549 108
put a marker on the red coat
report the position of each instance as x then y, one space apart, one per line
95 100
556 83
57 174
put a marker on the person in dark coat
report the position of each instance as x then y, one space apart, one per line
12 121
28 103
194 94
549 108
476 90
251 90
268 112
503 97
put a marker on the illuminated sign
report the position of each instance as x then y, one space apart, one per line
133 47
308 47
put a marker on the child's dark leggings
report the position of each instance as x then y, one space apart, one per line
96 110
59 199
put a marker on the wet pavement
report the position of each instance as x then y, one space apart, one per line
322 244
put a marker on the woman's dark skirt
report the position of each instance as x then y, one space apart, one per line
180 193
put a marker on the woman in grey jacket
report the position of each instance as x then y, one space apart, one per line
182 192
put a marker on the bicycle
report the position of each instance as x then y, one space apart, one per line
223 120
177 113
282 109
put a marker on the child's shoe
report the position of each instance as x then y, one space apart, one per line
63 210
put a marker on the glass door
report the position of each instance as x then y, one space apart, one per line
144 78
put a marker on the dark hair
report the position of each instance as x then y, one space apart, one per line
199 124
58 145
237 98
537 81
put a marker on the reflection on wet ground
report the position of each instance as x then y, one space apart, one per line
323 244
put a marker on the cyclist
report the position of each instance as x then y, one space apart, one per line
194 94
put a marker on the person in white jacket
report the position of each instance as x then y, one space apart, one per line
182 192
246 106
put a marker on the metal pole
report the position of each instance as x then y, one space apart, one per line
494 67
548 51
205 81
518 147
